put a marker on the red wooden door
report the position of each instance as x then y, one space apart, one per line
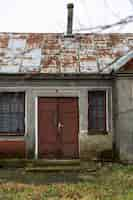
58 127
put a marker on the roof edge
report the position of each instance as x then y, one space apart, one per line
54 76
121 61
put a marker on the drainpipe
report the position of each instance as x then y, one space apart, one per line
70 7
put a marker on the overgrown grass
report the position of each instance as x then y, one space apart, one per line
110 182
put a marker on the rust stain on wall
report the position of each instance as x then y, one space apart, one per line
34 40
56 53
4 41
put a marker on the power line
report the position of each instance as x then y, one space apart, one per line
123 21
77 17
107 5
85 6
131 2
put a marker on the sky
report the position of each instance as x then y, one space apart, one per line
51 15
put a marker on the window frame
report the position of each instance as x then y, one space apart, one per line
105 110
13 133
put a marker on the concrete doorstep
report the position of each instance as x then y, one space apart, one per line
45 165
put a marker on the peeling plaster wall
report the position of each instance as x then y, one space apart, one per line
56 53
124 118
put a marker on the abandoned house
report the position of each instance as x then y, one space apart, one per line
66 96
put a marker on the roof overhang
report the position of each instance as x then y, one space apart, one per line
115 67
54 76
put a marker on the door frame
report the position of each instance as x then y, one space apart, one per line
73 92
36 120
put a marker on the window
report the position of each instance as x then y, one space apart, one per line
97 111
12 113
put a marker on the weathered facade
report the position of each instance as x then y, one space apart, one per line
66 97
56 53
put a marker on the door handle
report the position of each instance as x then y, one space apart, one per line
60 126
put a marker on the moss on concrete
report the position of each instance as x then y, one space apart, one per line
91 146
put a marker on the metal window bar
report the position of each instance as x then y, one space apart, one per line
96 110
12 113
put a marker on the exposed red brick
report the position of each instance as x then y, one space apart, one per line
70 51
87 58
128 66
59 51
12 149
34 40
4 41
52 51
71 59
51 61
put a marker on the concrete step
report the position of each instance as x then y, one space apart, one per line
53 169
20 163
46 165
53 162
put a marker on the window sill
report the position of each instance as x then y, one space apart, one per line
12 134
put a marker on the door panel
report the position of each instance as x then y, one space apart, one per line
68 114
58 127
68 130
47 122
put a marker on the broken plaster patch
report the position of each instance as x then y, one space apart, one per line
9 69
31 60
88 66
16 44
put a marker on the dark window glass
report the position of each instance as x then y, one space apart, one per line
97 110
12 113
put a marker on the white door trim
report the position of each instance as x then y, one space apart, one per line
36 128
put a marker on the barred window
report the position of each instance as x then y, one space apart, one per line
97 110
12 113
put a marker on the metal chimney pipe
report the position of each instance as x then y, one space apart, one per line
70 7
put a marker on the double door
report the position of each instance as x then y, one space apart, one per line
58 127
